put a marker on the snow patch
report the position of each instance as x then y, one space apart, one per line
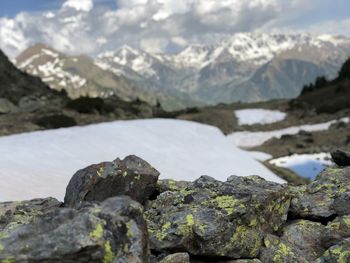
259 116
41 163
247 139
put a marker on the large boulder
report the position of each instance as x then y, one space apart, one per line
339 253
336 231
341 158
276 250
112 231
217 219
132 176
305 237
327 196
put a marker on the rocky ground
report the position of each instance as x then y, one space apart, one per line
120 212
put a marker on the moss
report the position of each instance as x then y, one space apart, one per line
1 248
109 255
98 232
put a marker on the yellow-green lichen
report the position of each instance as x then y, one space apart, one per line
125 173
138 177
246 239
1 248
8 260
100 171
186 229
98 232
126 248
227 203
282 253
344 257
109 254
346 220
160 235
129 232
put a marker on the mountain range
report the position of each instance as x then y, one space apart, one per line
245 67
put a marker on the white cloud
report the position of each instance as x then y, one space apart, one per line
79 5
79 26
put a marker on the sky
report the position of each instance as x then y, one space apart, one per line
94 26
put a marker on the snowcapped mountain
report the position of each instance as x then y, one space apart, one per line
242 67
78 75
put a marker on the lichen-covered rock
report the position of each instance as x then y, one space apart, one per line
132 176
336 231
212 218
305 237
276 250
327 196
113 231
15 214
176 258
339 253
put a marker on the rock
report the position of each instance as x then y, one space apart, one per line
278 251
56 121
336 231
339 253
113 231
216 219
327 196
305 237
15 214
7 106
341 158
86 105
132 176
177 258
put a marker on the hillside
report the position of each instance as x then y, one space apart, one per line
82 76
27 104
327 96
